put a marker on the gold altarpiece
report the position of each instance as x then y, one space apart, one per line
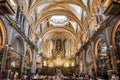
60 56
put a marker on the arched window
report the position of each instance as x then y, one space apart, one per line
2 41
17 45
117 43
101 53
101 47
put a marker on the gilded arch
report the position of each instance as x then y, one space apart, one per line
60 29
66 7
89 60
37 3
2 33
116 40
15 53
99 41
96 45
100 62
114 31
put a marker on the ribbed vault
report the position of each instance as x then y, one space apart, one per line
78 12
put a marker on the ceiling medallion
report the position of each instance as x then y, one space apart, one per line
58 20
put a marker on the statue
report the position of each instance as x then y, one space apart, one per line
58 45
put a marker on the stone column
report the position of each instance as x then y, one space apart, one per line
23 57
83 59
33 66
110 52
7 46
94 59
111 57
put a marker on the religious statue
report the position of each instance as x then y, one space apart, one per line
58 45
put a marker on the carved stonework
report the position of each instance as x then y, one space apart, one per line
6 8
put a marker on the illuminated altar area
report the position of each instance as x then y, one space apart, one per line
58 55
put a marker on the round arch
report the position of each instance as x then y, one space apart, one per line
18 44
15 54
98 41
2 33
80 3
61 11
100 55
117 24
65 7
96 45
115 37
60 29
3 39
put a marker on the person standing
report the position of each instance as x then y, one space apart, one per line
62 76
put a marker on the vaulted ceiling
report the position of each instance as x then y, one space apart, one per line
39 13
